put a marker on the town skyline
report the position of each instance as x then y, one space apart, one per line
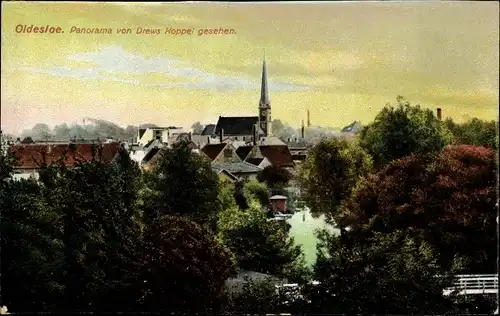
341 61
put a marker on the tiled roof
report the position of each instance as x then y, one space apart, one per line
209 130
254 161
238 125
278 156
213 150
237 167
150 154
30 156
243 151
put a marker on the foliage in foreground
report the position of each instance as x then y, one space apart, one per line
388 274
448 199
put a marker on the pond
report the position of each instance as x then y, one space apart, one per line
303 227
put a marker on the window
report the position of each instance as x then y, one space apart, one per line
244 138
236 138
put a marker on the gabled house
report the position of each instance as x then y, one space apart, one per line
224 158
277 155
263 156
240 170
221 153
30 157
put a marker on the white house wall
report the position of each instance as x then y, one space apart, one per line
25 174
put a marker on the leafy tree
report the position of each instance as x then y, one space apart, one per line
197 128
474 132
7 160
31 248
447 199
330 172
256 297
403 130
258 191
101 232
261 245
185 185
274 176
184 267
388 274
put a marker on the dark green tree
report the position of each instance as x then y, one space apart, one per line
402 130
101 231
32 251
388 274
274 176
330 172
474 132
184 184
261 245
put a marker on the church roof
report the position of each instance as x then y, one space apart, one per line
209 130
264 92
237 125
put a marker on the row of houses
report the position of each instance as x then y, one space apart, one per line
236 161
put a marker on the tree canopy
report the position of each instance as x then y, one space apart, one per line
402 130
330 172
448 199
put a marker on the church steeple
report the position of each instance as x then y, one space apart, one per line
264 92
265 103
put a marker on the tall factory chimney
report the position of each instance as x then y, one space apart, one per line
302 129
439 114
308 119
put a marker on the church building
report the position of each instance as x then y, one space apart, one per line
246 128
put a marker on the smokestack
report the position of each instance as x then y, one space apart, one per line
302 129
439 116
221 135
308 119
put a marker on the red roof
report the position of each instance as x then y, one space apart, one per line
213 150
278 155
30 156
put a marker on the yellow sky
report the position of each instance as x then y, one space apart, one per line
342 61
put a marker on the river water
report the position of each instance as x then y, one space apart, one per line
303 226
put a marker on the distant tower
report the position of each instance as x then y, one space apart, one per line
308 119
264 104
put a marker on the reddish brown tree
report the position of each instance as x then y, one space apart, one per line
185 267
448 198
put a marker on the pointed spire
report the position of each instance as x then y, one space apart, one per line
264 93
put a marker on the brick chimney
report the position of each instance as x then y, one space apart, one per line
221 135
439 114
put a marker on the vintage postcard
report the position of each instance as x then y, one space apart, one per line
342 156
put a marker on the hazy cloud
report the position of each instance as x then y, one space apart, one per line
110 62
